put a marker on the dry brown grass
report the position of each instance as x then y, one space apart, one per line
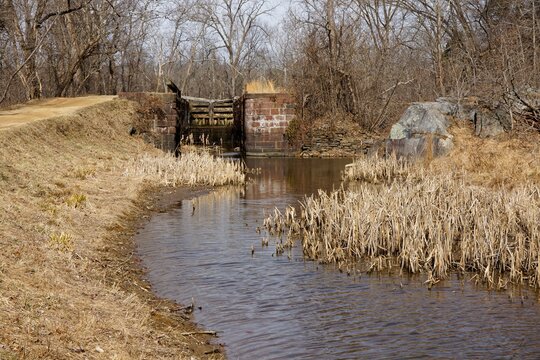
66 288
507 160
375 170
190 169
262 86
462 213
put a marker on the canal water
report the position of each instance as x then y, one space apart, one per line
268 307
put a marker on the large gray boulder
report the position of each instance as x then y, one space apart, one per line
422 128
491 121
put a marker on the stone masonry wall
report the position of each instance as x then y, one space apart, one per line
338 136
266 118
164 132
337 144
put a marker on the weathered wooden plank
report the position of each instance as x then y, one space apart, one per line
195 100
207 115
208 122
215 109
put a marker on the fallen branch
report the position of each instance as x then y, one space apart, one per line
531 114
207 332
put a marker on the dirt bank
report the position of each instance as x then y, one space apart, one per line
70 285
47 108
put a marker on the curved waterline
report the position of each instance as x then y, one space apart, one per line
271 307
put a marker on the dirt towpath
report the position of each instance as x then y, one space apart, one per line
44 109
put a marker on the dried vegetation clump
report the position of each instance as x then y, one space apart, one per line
422 219
148 110
375 170
190 169
69 285
262 86
507 160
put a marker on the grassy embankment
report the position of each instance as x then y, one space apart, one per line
72 189
476 210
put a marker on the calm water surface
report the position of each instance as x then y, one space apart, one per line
267 307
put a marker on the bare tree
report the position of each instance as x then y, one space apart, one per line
25 22
237 26
364 59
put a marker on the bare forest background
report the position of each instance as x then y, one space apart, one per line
363 59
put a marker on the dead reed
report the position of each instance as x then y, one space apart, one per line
190 169
377 170
433 224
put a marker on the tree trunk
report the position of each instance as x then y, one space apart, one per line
332 49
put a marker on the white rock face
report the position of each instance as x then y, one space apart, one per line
421 119
421 123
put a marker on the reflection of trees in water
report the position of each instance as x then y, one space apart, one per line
219 196
297 176
316 174
279 178
216 210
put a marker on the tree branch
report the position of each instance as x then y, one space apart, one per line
60 13
4 95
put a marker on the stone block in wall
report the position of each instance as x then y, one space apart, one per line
165 142
290 112
164 125
267 117
160 122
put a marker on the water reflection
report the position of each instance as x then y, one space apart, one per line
271 307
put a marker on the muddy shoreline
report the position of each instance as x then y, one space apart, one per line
167 315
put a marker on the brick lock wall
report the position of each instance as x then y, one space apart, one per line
266 118
164 132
